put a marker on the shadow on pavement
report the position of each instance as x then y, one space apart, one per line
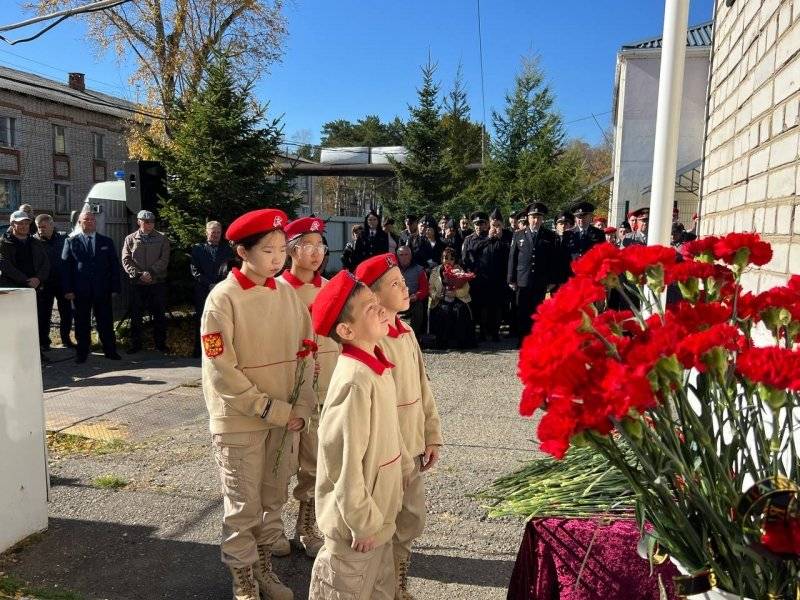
127 562
483 572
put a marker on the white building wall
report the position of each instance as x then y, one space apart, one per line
635 127
752 146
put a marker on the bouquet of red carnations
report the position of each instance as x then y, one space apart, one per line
455 278
699 413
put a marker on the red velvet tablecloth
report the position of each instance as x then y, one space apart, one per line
553 551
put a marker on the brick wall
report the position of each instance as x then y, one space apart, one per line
39 169
753 138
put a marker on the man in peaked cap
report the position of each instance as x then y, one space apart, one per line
639 235
585 235
563 247
530 266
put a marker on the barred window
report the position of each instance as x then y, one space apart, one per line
59 139
10 197
8 132
99 151
63 198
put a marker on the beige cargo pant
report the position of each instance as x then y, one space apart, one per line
410 521
307 458
253 495
353 575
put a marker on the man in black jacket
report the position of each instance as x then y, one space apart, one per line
209 264
584 235
24 263
91 277
484 254
51 289
563 248
529 266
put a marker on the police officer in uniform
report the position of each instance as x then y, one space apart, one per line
584 235
529 266
563 247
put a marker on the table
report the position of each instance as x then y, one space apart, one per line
554 549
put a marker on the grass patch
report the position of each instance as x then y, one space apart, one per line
12 587
67 444
110 482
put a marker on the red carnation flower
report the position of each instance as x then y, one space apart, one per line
554 432
687 269
743 248
702 247
638 258
693 350
775 367
602 260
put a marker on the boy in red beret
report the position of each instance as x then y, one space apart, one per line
252 329
306 249
416 408
362 460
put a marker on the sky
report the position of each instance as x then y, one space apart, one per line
344 59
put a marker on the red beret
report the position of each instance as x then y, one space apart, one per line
330 301
610 230
256 221
305 225
374 268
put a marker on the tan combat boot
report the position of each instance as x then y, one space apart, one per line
245 586
281 547
271 586
306 533
401 579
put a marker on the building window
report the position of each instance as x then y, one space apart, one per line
63 199
59 139
10 198
8 132
99 139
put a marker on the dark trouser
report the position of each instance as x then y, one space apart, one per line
416 317
200 295
44 304
104 319
451 323
528 300
153 299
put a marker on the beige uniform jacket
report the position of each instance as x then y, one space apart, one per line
251 336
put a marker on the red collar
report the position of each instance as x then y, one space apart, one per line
295 282
398 329
377 362
248 283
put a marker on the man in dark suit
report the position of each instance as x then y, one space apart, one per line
209 265
91 276
529 265
584 235
53 242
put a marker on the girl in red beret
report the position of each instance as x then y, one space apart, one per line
306 249
258 391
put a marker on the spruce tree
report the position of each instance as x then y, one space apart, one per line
424 176
221 160
528 162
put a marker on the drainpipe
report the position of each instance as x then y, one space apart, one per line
668 120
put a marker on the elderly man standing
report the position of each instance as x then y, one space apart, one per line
145 258
52 288
90 277
417 284
209 266
23 260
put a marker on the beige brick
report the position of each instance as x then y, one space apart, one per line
787 80
777 120
769 219
771 31
758 219
764 69
784 17
794 258
757 189
743 220
724 177
710 202
787 45
739 171
796 223
781 182
738 196
759 161
790 114
762 98
749 281
724 200
783 224
754 135
780 258
767 281
763 130
784 150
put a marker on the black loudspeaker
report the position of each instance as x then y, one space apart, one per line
145 184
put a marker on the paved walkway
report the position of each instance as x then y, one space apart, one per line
157 537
